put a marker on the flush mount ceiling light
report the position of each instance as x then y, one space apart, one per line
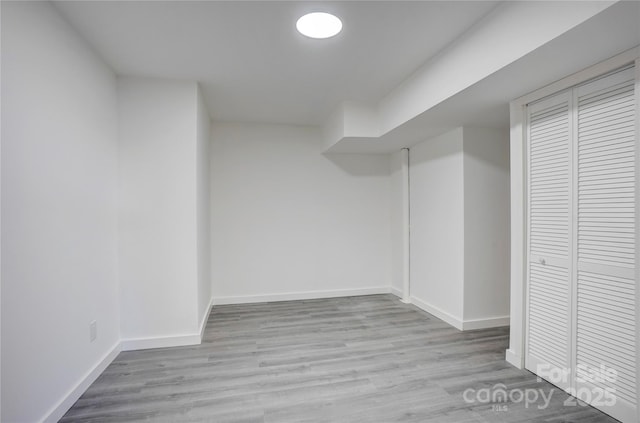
319 25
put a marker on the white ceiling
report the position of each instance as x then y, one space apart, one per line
252 64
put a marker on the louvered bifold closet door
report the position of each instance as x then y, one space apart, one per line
606 330
549 235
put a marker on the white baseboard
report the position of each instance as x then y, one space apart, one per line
397 292
72 396
440 314
160 342
486 323
514 359
308 295
184 340
203 321
460 324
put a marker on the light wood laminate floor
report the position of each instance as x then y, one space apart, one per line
356 359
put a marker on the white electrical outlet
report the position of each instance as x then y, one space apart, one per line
93 331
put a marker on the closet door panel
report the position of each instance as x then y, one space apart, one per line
606 243
582 287
549 236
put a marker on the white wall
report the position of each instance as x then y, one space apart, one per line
289 222
203 208
460 227
0 228
158 218
486 223
397 221
437 225
59 179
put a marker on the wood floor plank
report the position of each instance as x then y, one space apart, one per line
354 359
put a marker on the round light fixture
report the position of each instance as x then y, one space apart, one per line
319 25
